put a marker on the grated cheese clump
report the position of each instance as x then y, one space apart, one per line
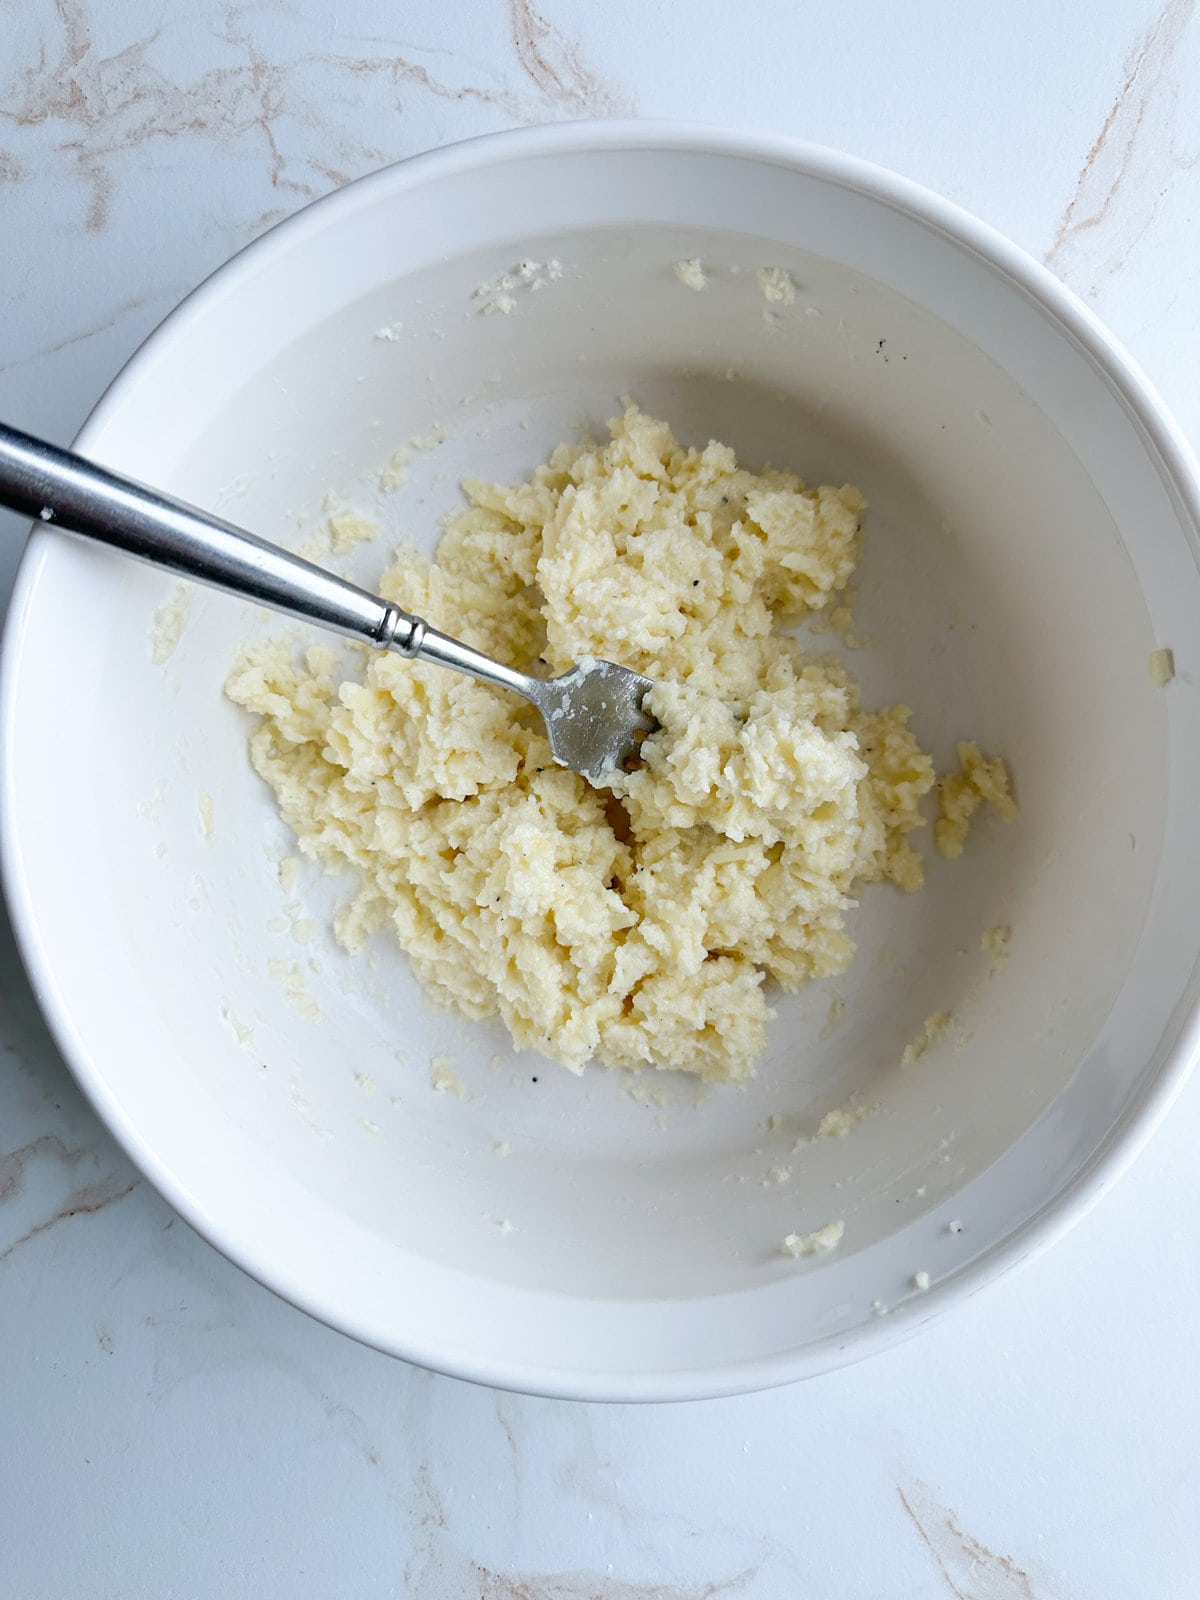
634 927
961 793
931 1031
816 1242
691 274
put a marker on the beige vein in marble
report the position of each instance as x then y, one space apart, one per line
98 106
489 1584
1108 201
970 1570
554 65
159 297
14 1163
84 1201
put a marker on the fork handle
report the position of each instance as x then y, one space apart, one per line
63 490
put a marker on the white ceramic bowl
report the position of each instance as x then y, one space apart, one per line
1032 539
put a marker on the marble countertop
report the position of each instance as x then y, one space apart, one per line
169 1428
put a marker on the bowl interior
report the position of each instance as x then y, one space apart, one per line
1023 557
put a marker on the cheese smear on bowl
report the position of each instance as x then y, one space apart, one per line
635 926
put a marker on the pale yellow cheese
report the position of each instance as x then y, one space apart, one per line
444 1078
347 529
842 1120
961 793
169 622
1162 667
691 274
777 284
931 1030
395 474
816 1242
637 933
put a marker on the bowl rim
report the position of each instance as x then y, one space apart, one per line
1142 1113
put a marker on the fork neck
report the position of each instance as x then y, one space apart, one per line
413 637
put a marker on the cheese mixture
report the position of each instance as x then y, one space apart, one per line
636 927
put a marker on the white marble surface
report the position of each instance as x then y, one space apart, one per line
167 1427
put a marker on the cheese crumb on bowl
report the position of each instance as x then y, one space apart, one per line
777 285
170 620
637 927
961 793
445 1080
395 473
815 1243
691 274
931 1030
499 295
843 1120
347 529
1162 667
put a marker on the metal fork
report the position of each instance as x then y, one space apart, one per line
595 714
